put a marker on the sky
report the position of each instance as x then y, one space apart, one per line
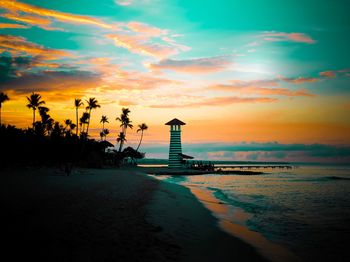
242 75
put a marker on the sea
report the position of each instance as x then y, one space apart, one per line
298 214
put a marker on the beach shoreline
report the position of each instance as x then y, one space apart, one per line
109 214
233 221
183 216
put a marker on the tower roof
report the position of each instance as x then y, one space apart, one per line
175 122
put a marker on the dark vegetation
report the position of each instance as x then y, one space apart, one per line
51 143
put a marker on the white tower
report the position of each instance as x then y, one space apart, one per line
175 151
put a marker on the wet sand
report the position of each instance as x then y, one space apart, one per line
232 221
194 228
108 215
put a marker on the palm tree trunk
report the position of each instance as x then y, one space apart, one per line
140 141
33 117
87 128
76 114
121 146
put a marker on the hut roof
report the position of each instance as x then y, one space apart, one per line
183 156
175 122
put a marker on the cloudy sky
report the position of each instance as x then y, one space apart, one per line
243 75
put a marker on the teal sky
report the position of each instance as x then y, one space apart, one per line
222 61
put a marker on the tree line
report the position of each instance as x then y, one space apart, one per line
74 136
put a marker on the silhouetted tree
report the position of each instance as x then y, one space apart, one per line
69 127
77 103
57 131
121 139
141 128
3 99
46 120
134 154
104 119
34 102
125 123
92 103
83 121
105 132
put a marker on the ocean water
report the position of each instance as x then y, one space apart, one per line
302 214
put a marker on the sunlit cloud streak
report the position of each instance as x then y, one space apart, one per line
301 80
335 73
216 101
196 65
12 26
18 45
15 7
146 29
282 37
261 90
141 45
29 19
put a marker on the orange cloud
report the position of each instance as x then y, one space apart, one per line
328 74
262 90
282 36
126 103
6 25
196 65
133 80
18 45
217 101
29 19
255 83
146 29
141 45
301 80
15 7
115 77
334 73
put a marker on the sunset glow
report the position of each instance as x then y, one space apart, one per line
242 74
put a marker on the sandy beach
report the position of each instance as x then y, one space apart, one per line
108 215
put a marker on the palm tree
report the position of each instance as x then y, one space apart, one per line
3 99
77 103
69 123
105 132
46 120
104 119
125 123
83 121
34 102
92 103
142 128
125 111
121 139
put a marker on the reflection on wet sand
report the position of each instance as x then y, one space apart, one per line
232 220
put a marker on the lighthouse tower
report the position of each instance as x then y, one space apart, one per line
175 151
